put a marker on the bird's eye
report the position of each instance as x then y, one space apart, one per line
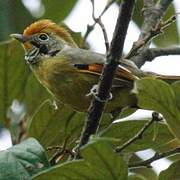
43 37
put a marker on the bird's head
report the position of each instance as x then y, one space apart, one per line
43 38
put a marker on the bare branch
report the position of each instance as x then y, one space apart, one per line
152 21
99 21
112 60
155 117
156 157
90 28
152 53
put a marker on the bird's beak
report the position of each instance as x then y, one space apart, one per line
19 37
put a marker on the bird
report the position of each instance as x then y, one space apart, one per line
70 74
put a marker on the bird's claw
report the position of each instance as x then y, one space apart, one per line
94 92
55 105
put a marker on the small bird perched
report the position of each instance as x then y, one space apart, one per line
68 72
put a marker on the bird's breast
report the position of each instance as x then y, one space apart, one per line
66 83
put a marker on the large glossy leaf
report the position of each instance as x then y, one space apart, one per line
101 155
100 162
12 19
171 173
55 127
22 161
58 10
159 96
124 130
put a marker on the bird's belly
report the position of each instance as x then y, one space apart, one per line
73 90
71 87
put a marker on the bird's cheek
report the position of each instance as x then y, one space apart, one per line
32 56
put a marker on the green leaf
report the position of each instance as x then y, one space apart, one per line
122 131
22 161
72 170
176 88
55 127
12 19
127 111
171 173
100 162
136 177
14 74
143 172
159 96
77 37
58 10
105 161
17 83
172 144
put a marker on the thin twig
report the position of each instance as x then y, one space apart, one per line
51 148
156 157
153 33
99 21
139 44
112 60
152 53
152 16
90 28
59 155
139 135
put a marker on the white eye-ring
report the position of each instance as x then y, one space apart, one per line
43 37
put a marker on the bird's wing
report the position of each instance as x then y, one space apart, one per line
121 73
87 61
91 62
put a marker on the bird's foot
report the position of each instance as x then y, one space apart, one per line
55 105
94 92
